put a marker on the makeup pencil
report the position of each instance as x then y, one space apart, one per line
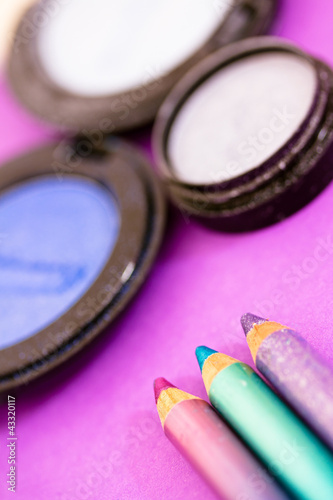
211 447
292 453
298 373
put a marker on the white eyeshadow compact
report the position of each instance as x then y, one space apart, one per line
108 64
78 235
246 137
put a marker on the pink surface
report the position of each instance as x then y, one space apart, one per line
90 430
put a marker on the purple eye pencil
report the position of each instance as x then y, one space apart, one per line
296 371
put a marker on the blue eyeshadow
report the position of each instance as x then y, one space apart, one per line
55 238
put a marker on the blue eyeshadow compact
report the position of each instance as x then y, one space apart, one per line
78 235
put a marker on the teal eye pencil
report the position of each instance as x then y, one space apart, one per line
292 453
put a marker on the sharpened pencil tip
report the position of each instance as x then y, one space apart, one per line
161 384
248 320
202 353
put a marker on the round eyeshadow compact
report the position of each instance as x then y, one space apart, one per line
108 64
78 235
246 137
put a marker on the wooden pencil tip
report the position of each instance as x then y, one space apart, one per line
248 321
202 353
161 384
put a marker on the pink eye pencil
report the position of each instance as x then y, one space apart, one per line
211 447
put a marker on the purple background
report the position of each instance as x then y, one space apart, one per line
90 430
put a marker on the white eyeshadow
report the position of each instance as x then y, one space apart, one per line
100 47
240 117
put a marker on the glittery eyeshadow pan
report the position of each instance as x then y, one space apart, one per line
57 237
79 233
92 62
227 128
245 138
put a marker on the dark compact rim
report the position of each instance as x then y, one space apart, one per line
122 111
280 171
130 181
